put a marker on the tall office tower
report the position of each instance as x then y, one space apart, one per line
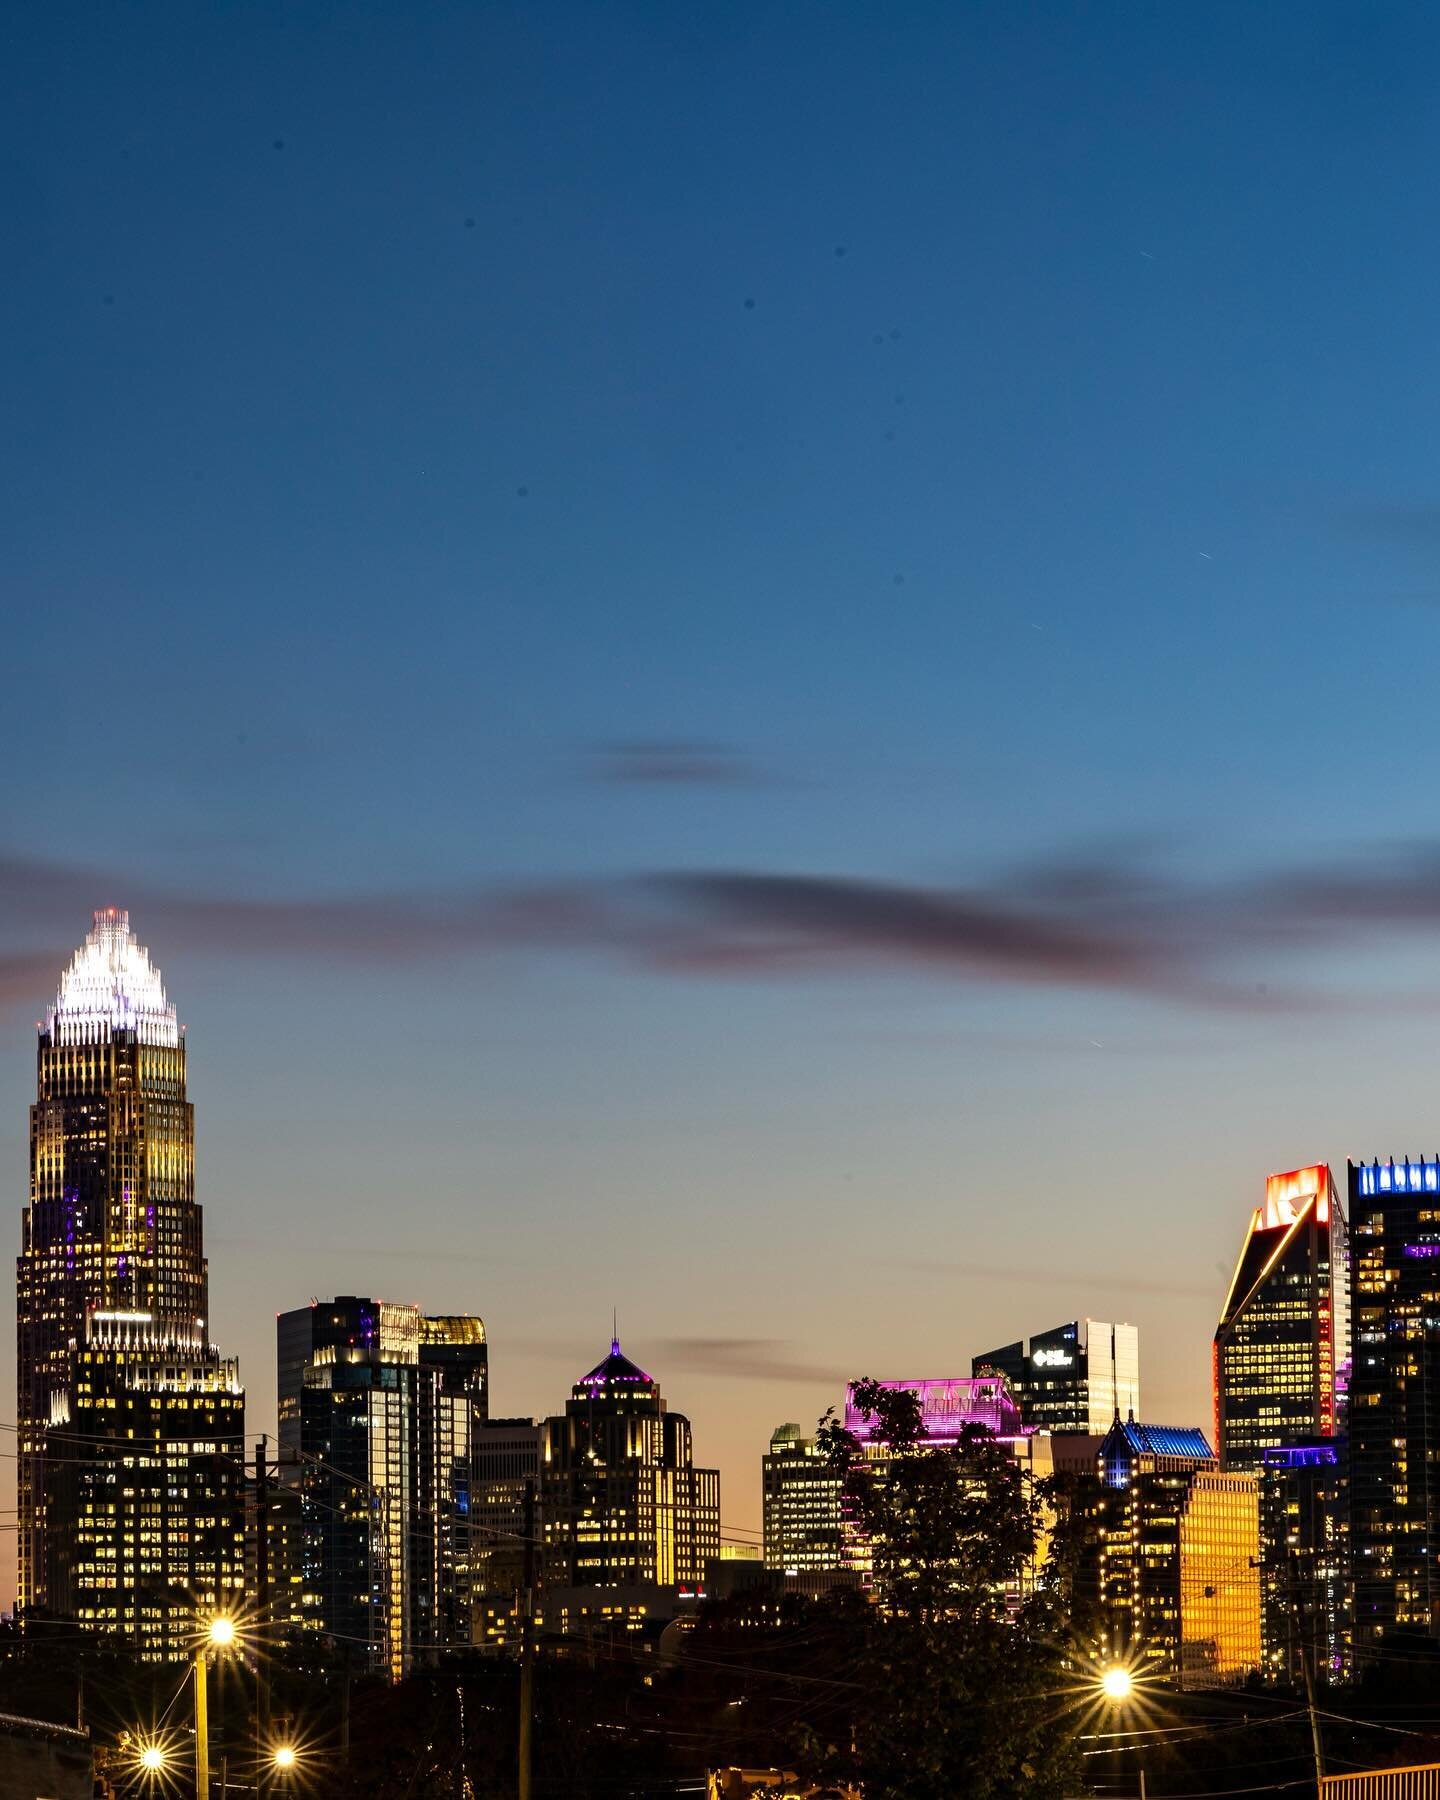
1304 1532
378 1410
1074 1377
1175 1548
1280 1344
1395 1400
801 1499
622 1502
112 1318
504 1514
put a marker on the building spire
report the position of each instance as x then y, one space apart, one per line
615 1331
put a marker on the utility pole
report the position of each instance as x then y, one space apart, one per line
1307 1649
262 1613
527 1642
202 1730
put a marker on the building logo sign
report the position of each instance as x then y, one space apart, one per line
1052 1359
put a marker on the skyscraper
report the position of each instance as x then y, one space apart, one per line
378 1408
114 1366
801 1497
1280 1344
1395 1400
1175 1542
622 1501
1073 1377
1304 1536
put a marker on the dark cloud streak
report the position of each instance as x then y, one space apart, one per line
1111 925
673 762
749 1359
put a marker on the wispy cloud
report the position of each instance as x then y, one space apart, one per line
26 978
745 1358
673 762
1037 1274
1111 923
1405 522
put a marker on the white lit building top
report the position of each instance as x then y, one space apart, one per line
111 985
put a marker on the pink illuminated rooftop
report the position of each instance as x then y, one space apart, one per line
948 1403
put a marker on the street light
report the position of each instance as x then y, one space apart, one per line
219 1635
284 1757
1117 1683
152 1759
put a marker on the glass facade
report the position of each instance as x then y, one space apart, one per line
1279 1346
1175 1549
1073 1377
112 1319
1304 1531
1394 1424
379 1406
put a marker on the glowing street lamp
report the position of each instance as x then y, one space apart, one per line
284 1757
1117 1684
219 1635
152 1759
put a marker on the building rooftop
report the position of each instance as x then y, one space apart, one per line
111 985
1162 1440
948 1404
614 1369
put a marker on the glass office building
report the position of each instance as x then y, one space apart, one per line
1304 1529
113 1321
1279 1350
1394 1414
1175 1548
621 1500
1073 1377
379 1405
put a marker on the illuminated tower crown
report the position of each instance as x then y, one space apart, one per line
111 985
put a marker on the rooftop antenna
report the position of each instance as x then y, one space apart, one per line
614 1331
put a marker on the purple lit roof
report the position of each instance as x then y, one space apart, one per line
948 1403
616 1367
1300 1456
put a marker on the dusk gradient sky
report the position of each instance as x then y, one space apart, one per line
764 664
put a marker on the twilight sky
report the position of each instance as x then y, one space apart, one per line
763 664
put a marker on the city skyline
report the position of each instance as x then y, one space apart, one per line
739 670
741 1427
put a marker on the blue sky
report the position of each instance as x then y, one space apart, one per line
757 663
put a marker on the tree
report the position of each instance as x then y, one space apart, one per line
958 1681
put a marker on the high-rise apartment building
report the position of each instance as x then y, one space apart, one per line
801 1500
379 1405
1281 1343
622 1502
1073 1377
1175 1544
116 1377
1394 1412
